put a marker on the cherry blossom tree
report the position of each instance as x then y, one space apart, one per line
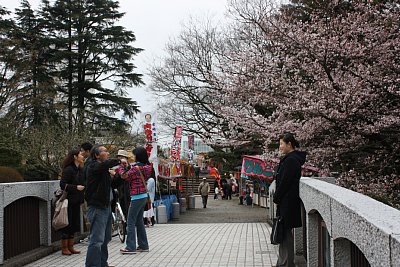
328 73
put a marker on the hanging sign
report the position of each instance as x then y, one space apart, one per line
252 166
176 144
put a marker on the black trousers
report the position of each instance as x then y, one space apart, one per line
204 198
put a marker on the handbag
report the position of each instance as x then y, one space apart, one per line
60 218
277 231
59 194
148 204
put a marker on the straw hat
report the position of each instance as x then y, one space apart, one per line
123 153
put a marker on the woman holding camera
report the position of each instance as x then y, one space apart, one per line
137 177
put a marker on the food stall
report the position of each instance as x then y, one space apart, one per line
257 175
168 185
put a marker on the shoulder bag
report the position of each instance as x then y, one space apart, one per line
277 231
148 204
60 218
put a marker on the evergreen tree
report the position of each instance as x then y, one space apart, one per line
34 98
93 52
7 58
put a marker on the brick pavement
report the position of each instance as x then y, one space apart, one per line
211 242
223 211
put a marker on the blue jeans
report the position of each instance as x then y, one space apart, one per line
135 223
100 234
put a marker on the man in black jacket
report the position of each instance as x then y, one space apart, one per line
98 196
86 147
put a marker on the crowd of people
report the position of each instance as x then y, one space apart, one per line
225 186
90 177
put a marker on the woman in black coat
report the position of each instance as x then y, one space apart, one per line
287 195
72 182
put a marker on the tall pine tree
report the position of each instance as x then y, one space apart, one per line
95 57
33 98
7 59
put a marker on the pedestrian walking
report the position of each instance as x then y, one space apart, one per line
148 215
71 181
215 173
197 172
224 188
249 194
216 192
137 177
234 183
287 195
204 189
98 197
229 189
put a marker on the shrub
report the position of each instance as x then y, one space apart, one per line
10 175
35 172
9 157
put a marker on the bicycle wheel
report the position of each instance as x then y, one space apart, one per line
122 231
120 225
114 225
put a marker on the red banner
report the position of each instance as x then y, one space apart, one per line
176 144
191 142
148 131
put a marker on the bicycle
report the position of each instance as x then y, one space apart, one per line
119 223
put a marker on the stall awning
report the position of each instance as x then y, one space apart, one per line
254 166
262 168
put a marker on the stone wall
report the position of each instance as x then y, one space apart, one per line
350 217
10 192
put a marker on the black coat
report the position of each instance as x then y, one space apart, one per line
98 183
71 177
287 188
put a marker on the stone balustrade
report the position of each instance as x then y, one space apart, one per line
350 218
43 190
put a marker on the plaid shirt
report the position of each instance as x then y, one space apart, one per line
135 181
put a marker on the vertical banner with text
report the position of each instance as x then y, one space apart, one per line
176 151
150 130
190 148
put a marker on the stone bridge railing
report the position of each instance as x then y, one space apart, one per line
345 228
17 200
339 224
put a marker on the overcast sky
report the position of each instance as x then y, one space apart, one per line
154 22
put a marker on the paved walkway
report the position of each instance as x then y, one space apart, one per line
223 211
210 242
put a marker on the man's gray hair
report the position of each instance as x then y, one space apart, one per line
95 151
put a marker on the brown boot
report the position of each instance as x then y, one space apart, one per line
71 246
64 247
